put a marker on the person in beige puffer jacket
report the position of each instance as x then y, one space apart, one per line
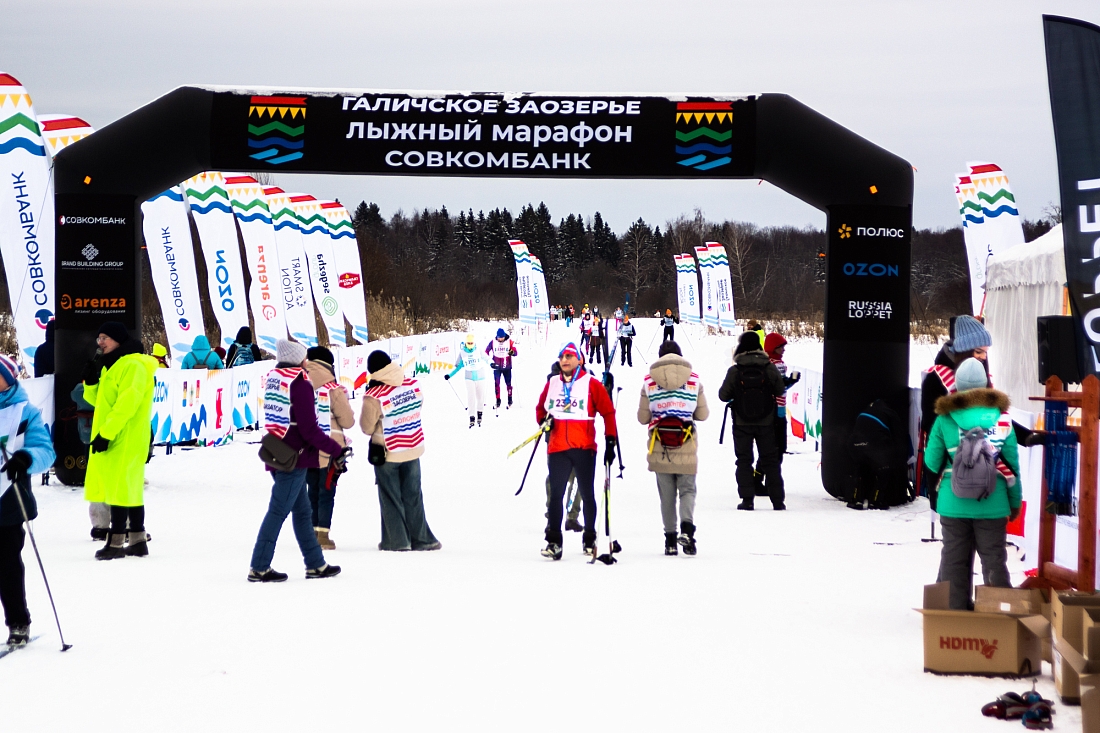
319 368
672 396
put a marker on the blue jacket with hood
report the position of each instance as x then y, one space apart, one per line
201 356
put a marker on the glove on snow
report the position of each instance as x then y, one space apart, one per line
100 444
16 466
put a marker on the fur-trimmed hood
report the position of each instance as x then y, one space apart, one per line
972 398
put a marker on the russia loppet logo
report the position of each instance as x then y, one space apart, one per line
276 129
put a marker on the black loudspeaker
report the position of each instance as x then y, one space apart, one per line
1058 349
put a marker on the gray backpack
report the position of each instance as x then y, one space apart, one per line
974 470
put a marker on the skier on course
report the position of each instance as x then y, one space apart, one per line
477 378
570 314
586 329
573 502
572 400
626 342
595 341
667 321
502 349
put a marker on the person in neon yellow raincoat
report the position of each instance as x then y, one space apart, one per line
119 383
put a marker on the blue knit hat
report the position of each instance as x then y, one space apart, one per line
9 370
971 375
970 334
501 333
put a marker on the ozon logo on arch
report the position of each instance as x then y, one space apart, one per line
870 269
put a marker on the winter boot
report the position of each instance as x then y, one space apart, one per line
498 404
572 525
687 537
472 419
325 571
113 550
552 551
323 538
136 544
266 576
479 419
18 635
670 544
745 505
509 399
100 533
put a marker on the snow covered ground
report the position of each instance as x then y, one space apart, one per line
792 621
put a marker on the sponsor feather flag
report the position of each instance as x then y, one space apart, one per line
61 131
322 267
538 291
723 284
246 197
524 288
172 262
209 202
706 273
687 289
293 270
26 217
349 269
1001 226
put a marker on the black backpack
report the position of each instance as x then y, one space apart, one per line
752 395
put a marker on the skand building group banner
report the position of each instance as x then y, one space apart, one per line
246 197
26 217
723 284
293 269
172 262
209 202
687 289
991 221
345 251
1073 75
322 266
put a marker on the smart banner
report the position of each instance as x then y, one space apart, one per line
246 197
61 131
293 270
322 267
26 217
1073 75
519 135
349 278
213 215
723 285
707 292
524 285
172 262
687 289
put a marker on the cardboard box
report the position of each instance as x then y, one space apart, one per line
1067 614
971 642
1014 601
1090 634
1087 674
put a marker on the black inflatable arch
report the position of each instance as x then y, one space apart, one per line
866 192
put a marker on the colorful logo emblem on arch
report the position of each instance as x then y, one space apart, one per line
704 133
276 129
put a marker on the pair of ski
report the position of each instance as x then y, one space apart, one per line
7 649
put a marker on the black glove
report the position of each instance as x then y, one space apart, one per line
340 461
100 444
446 376
376 454
91 373
609 450
548 423
17 465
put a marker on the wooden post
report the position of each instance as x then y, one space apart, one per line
1086 498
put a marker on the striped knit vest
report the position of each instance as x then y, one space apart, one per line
277 399
324 406
401 428
679 402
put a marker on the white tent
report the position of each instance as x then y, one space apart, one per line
1021 284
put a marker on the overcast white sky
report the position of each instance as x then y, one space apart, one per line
939 82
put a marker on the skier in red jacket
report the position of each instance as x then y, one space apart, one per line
572 399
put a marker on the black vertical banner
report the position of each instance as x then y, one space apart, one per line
1073 74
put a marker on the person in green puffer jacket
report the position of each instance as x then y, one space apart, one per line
973 525
119 383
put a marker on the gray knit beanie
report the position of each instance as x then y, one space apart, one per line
290 352
971 375
970 334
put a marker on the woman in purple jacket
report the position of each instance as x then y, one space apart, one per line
289 494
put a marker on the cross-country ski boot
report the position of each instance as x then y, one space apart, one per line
572 525
552 551
472 418
509 400
498 404
18 636
687 537
670 544
590 549
479 419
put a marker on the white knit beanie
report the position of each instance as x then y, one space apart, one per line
290 352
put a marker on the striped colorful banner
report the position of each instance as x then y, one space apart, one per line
345 250
249 205
293 269
172 262
723 285
322 266
61 131
706 273
687 289
524 285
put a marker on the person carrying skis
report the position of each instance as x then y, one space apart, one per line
595 341
671 403
334 416
391 416
573 502
477 377
751 386
502 349
242 351
119 383
29 449
290 420
586 330
667 321
571 401
626 342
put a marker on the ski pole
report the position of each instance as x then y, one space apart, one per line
652 339
530 461
22 507
612 546
456 395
